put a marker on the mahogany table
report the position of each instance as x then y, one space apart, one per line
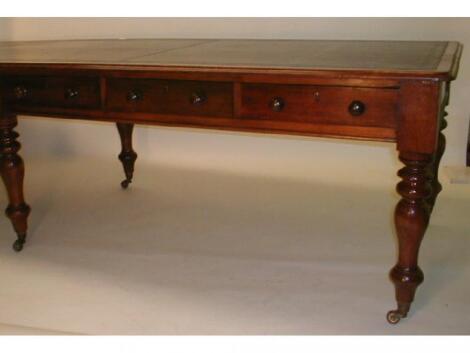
374 90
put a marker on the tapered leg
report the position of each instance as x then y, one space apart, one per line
12 171
411 220
127 155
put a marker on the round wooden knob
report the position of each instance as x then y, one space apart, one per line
277 104
71 93
198 97
20 92
356 108
134 95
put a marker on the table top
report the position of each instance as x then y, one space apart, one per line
419 57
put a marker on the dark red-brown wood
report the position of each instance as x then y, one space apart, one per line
411 220
375 90
12 172
320 104
127 155
170 97
52 91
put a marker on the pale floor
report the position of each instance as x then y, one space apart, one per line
209 252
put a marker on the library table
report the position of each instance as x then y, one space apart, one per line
392 91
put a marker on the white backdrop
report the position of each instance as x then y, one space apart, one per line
196 247
292 156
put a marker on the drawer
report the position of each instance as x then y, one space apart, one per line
319 104
178 97
60 92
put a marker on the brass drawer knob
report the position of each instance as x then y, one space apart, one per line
356 108
71 93
135 95
277 104
20 92
198 97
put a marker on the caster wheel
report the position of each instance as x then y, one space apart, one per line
18 245
125 184
393 317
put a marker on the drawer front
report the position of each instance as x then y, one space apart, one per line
320 104
53 92
197 98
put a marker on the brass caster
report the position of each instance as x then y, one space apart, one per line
125 184
394 317
18 245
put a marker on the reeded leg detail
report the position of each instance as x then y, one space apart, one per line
411 220
127 155
12 171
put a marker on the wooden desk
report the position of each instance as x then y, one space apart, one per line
386 91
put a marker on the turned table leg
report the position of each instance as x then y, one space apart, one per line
12 171
411 220
127 155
